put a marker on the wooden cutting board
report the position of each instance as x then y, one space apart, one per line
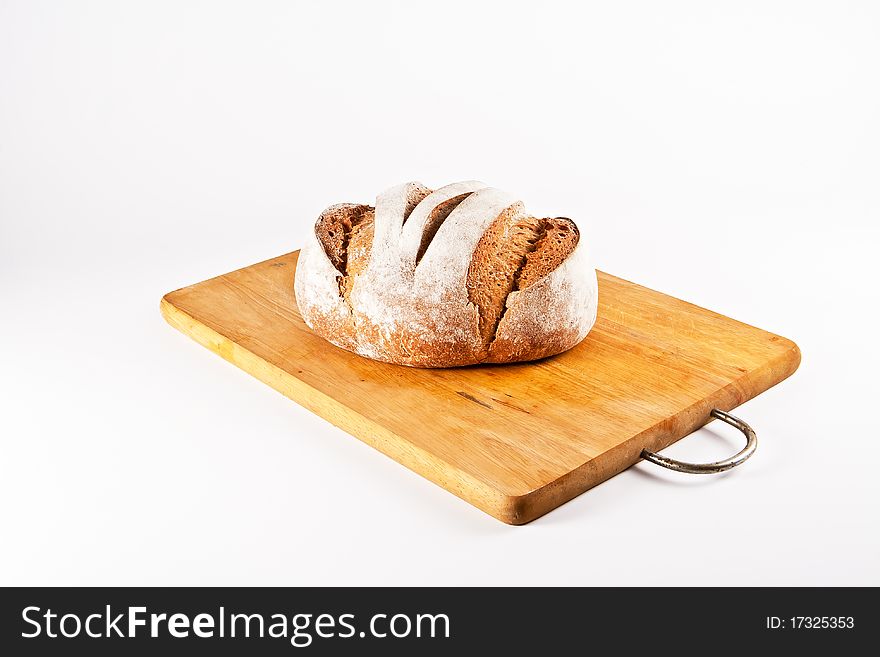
513 440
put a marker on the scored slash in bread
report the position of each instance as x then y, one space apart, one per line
456 276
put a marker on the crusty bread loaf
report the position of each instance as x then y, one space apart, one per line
457 276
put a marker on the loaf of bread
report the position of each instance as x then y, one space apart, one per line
456 276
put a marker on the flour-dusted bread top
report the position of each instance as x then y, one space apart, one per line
455 276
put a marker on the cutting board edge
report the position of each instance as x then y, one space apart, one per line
502 506
658 436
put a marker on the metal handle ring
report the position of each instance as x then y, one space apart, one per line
718 466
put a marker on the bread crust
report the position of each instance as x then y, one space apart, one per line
404 297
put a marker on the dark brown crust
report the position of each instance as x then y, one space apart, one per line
435 220
346 234
560 236
360 245
515 252
415 196
496 264
334 229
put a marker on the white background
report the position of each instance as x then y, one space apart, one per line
726 153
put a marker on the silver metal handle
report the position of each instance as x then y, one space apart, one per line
718 466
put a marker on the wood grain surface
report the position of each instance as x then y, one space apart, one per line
513 440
